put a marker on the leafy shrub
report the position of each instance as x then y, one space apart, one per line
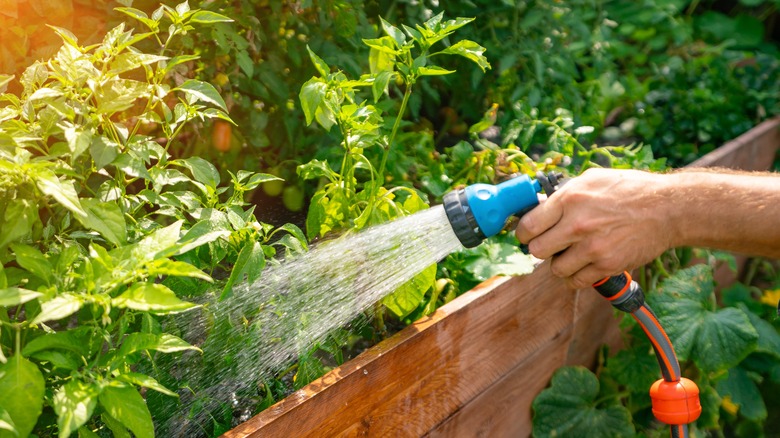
729 345
102 230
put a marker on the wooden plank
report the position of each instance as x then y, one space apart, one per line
753 150
504 409
413 381
595 323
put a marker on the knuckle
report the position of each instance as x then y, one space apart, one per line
525 228
537 250
557 270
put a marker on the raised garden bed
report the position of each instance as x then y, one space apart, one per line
474 366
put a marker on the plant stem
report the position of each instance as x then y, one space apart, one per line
393 133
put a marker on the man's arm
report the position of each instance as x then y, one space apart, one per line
606 221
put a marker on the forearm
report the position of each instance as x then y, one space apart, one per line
738 212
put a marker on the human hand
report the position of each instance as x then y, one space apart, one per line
600 224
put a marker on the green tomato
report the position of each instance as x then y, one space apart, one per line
292 198
273 188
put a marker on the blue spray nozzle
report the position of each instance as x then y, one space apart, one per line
481 210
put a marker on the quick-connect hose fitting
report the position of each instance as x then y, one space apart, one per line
481 210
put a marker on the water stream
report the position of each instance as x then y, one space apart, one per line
293 306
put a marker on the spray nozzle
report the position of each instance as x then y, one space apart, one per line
481 210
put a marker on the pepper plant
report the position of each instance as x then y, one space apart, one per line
103 231
353 196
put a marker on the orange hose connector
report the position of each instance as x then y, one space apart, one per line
675 402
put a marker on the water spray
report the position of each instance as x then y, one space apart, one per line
479 211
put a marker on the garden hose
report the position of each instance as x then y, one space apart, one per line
479 211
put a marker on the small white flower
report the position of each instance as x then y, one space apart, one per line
583 130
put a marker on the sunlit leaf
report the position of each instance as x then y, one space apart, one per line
322 67
203 91
470 50
393 32
13 296
31 259
106 218
164 343
153 298
21 393
126 405
409 295
59 307
74 403
207 17
145 381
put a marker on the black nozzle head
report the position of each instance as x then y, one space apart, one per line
549 181
462 219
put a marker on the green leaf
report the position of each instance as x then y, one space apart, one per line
568 408
138 15
74 403
203 91
19 217
315 169
59 307
433 71
744 393
155 245
379 86
176 268
322 67
250 261
768 338
152 298
77 340
146 382
7 423
207 17
381 56
312 95
115 426
21 393
409 295
245 63
716 340
126 405
106 218
202 170
78 140
309 369
201 233
131 60
103 151
393 32
62 191
13 296
4 81
491 259
164 343
470 50
34 261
